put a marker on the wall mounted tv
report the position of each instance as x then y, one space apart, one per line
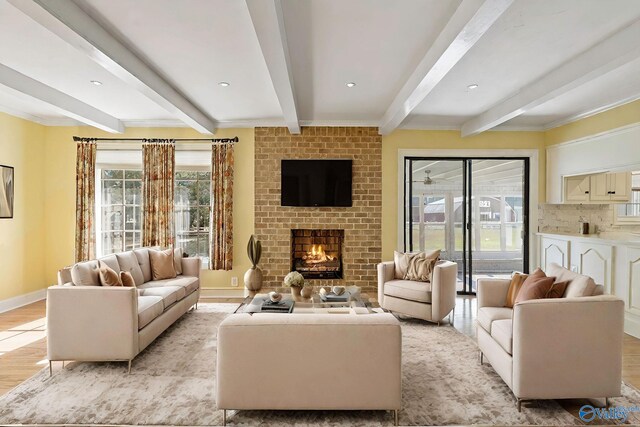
316 183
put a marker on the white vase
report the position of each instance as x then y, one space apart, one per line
253 279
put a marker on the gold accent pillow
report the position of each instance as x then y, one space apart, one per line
127 279
421 267
162 265
108 276
514 287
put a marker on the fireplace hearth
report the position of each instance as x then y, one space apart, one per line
317 254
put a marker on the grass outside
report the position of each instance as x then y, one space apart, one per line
434 237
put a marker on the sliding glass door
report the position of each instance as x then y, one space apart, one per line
474 210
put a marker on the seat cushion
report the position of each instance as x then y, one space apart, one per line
409 290
189 283
149 307
502 333
488 315
169 294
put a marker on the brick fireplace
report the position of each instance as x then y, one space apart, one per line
361 224
317 254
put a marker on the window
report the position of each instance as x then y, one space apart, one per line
192 212
630 212
119 198
120 210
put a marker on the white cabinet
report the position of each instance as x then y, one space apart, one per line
554 250
610 187
577 189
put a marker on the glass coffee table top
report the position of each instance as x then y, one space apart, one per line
357 303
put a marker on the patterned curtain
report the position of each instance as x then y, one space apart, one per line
221 207
85 199
158 167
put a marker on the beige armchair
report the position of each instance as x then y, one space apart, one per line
431 301
557 348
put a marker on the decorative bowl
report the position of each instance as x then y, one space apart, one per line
275 296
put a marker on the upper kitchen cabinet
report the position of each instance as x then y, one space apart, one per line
610 187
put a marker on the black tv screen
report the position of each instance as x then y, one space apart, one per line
316 183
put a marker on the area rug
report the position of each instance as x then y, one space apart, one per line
172 383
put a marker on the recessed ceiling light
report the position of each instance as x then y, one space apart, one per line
350 84
472 86
96 82
224 84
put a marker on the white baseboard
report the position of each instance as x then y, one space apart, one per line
22 300
223 293
631 325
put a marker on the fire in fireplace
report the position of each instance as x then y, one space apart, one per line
317 254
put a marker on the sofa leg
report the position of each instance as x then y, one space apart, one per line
519 405
481 358
63 364
50 369
452 315
224 417
438 323
395 417
129 369
607 402
196 305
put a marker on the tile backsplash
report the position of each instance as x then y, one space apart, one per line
566 218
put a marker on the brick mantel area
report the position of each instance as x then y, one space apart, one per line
361 223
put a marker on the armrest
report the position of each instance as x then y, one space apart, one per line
492 292
92 323
386 272
443 289
569 346
191 266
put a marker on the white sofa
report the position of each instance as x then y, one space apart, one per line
309 361
558 348
431 301
89 322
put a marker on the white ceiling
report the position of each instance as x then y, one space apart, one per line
192 45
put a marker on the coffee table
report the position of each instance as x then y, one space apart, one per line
358 303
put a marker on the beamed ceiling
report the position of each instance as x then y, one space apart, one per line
537 64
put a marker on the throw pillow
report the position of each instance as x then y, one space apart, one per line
162 266
177 260
557 290
535 286
401 261
127 279
420 269
108 276
514 287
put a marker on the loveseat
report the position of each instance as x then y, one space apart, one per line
556 348
337 362
90 322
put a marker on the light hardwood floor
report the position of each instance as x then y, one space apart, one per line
23 343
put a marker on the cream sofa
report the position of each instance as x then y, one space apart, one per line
559 348
431 301
309 361
89 322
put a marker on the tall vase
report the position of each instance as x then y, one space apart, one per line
253 279
295 291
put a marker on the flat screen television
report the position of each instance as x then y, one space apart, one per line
316 183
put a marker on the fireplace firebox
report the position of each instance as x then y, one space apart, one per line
317 254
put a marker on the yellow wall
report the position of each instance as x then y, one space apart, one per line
22 239
431 139
616 117
60 154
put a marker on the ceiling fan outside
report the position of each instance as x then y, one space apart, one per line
427 179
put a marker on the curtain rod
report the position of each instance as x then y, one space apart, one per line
214 140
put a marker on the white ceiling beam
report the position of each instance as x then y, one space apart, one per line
606 56
268 22
73 25
61 102
471 20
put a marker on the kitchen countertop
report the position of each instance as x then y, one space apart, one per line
603 237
